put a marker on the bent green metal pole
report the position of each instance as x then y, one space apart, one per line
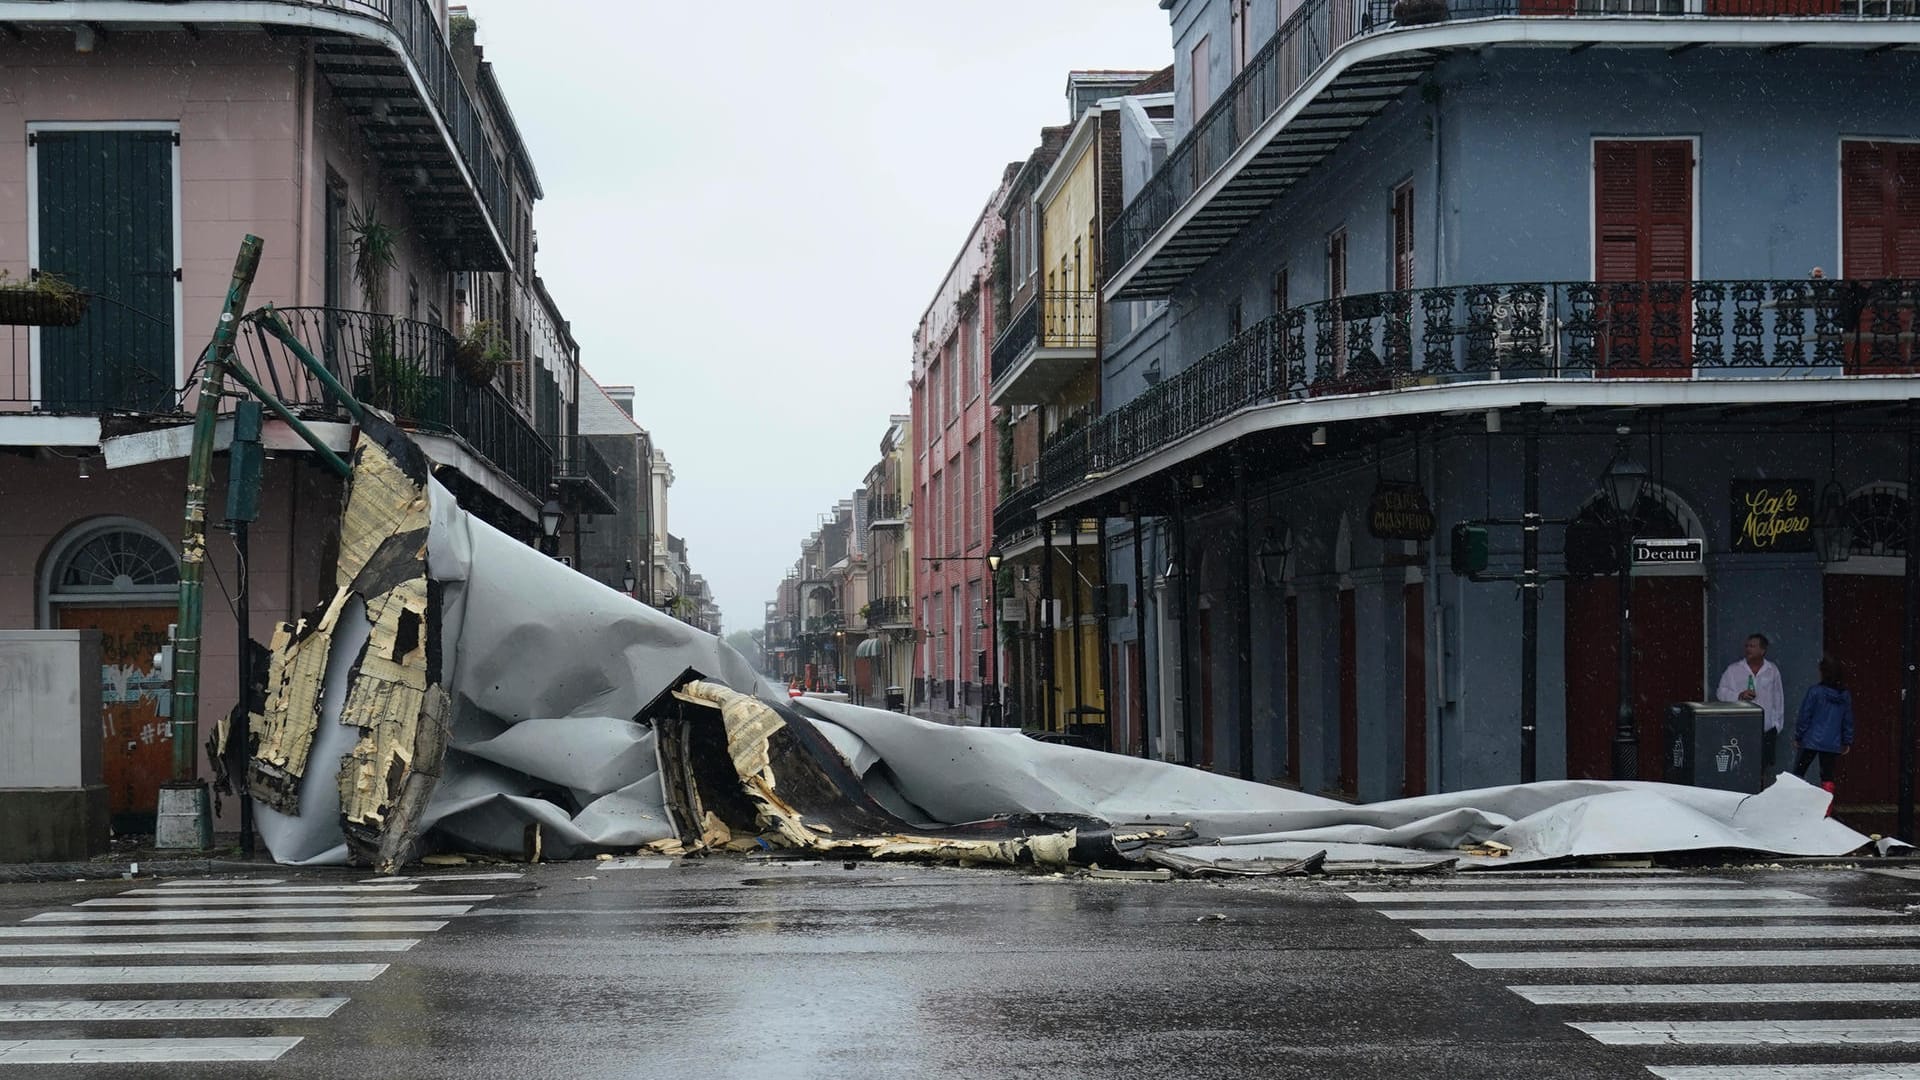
193 538
325 453
270 322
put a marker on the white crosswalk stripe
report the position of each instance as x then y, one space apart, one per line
187 929
237 889
1635 911
203 914
203 948
1658 925
207 921
251 900
1675 932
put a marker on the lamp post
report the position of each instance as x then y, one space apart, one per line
1273 554
992 704
1623 483
626 580
550 517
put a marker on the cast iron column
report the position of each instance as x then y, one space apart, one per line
1243 617
993 648
1909 647
1626 742
1048 654
1185 586
1530 597
1140 636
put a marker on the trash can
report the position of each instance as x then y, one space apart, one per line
897 698
1715 744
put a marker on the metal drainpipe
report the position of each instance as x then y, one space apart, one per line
1048 654
1243 617
1075 581
1530 598
1909 646
1140 637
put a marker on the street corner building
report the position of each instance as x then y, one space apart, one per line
1446 350
370 149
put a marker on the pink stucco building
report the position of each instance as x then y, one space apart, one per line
136 150
956 476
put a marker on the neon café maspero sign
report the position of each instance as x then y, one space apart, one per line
1772 516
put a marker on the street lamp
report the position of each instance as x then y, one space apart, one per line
550 517
627 580
1623 483
1273 554
992 704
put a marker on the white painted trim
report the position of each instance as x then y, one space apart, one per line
1479 396
1557 31
1593 197
1056 175
172 127
28 429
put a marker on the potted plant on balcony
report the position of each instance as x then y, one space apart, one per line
481 352
395 382
44 300
376 251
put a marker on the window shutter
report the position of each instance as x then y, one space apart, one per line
1643 211
1863 185
1669 211
1905 211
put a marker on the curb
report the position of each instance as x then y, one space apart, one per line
108 869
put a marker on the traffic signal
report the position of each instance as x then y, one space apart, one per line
1469 550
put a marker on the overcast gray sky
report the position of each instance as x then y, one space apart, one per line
749 205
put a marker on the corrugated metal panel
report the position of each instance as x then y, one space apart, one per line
106 226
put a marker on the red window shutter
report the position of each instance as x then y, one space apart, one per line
1616 211
1643 211
1863 186
1905 212
1669 168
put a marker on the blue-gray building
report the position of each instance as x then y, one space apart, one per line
1397 265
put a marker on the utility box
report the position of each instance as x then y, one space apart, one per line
1715 744
53 801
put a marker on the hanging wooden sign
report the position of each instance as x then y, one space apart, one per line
1400 511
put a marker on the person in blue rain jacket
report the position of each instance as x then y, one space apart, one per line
1825 727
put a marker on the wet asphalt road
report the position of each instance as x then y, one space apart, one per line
742 968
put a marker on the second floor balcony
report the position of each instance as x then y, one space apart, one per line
890 612
1334 65
1052 341
885 511
408 369
585 479
388 65
1474 347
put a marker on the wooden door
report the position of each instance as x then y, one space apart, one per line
1669 666
1349 690
1643 256
1414 684
1880 246
1862 619
1206 687
136 748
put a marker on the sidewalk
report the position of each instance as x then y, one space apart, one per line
222 857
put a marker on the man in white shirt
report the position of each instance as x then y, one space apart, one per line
1754 678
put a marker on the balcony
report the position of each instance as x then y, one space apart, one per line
586 481
890 613
1489 346
885 512
1335 64
405 368
388 64
1013 516
1032 365
830 622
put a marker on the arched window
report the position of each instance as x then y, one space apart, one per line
115 560
1878 515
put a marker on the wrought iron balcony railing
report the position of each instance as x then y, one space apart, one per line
1014 340
890 611
884 511
1319 28
1546 330
582 472
403 367
826 623
1054 320
1014 514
